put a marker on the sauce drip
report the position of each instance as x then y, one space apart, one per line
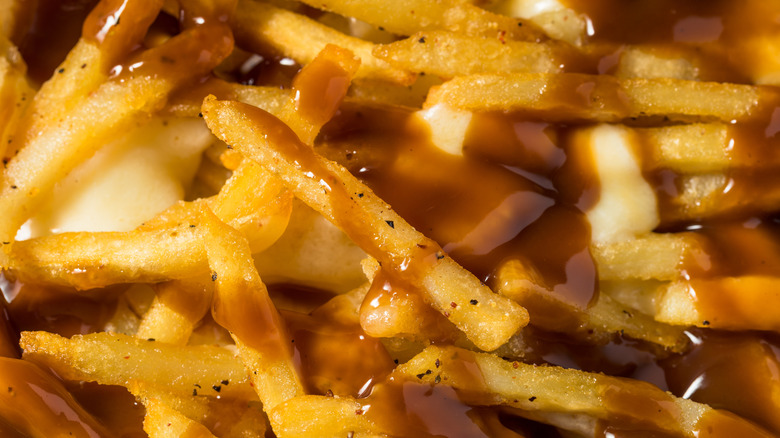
511 194
36 403
54 28
118 27
739 372
334 355
251 316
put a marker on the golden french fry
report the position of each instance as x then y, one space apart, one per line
409 16
14 88
725 303
318 90
449 54
481 378
178 306
654 256
315 415
573 97
241 305
161 421
113 359
369 221
260 26
601 319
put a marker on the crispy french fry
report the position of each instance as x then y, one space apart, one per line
695 148
599 320
223 418
409 16
318 90
177 307
161 421
572 97
486 379
260 26
14 87
113 359
241 305
653 256
315 415
369 221
726 303
449 54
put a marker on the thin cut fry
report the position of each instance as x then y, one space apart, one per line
113 359
260 26
161 421
241 305
448 54
410 16
487 379
602 98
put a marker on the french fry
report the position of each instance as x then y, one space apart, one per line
241 305
603 98
694 148
178 306
448 54
726 303
260 27
14 87
315 415
223 418
653 256
369 221
486 379
318 90
410 16
161 421
601 319
113 359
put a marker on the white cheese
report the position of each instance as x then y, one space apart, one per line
627 206
127 182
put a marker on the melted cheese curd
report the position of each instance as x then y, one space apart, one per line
606 168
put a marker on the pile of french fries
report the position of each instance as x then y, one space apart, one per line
252 218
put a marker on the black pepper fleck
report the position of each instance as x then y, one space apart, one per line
214 277
474 302
216 388
532 398
421 40
391 223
